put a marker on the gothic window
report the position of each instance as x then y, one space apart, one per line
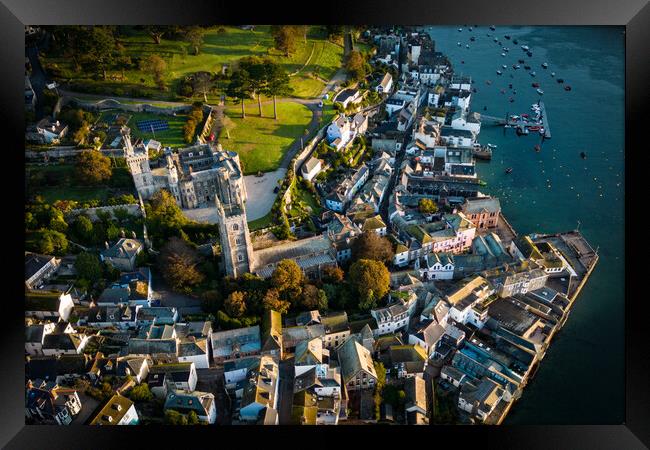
235 227
240 257
238 241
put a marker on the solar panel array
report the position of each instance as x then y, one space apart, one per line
153 124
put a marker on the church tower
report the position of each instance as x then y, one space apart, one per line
137 160
236 245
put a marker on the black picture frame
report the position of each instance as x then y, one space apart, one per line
633 433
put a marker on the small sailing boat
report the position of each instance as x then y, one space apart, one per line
583 155
509 170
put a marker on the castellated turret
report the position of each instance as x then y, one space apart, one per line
137 160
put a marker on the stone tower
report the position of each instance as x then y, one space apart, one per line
236 245
137 160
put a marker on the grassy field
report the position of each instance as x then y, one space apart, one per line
262 141
173 137
218 49
260 223
57 182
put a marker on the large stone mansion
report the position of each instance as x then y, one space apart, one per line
200 176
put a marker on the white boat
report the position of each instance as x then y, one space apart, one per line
540 92
524 47
552 74
503 54
460 29
545 65
504 66
459 44
499 72
496 40
467 46
532 74
542 131
492 146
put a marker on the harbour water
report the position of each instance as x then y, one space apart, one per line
581 379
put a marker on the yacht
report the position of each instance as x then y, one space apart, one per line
503 54
532 74
524 48
552 74
540 92
499 72
545 65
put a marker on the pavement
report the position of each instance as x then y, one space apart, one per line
260 193
204 215
185 304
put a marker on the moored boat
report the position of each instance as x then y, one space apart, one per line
481 152
583 155
540 92
535 85
499 72
545 65
537 148
567 88
509 170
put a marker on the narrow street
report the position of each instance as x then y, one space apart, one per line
285 391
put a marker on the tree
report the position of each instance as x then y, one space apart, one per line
156 66
164 216
48 242
97 49
235 304
427 206
88 267
93 167
333 274
81 135
211 301
178 264
141 393
195 37
203 84
313 298
83 228
371 280
258 76
334 31
372 246
240 88
356 65
272 301
156 32
174 418
284 37
287 276
192 418
277 83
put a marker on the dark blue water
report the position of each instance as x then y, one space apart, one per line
581 379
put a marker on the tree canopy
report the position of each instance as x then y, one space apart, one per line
235 304
371 280
372 246
93 167
179 265
427 206
88 266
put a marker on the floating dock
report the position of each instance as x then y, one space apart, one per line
520 123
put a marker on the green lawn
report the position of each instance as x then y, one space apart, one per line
57 182
173 137
260 223
262 141
218 49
